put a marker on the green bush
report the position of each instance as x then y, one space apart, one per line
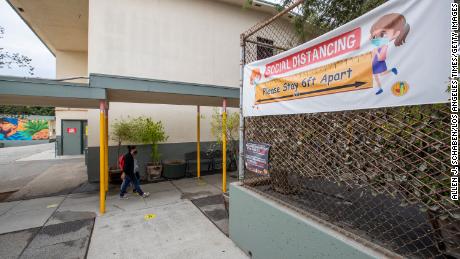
122 131
148 131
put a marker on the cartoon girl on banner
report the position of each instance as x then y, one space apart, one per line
390 27
254 80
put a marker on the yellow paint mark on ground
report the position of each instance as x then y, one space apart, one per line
150 216
52 206
200 182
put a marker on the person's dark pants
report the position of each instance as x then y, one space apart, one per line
138 180
127 182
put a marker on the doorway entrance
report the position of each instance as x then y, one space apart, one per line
73 137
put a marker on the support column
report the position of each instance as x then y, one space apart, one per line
101 157
224 145
198 161
106 146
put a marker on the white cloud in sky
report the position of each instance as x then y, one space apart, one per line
20 38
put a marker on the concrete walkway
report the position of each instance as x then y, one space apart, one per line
164 225
32 153
32 171
11 154
58 179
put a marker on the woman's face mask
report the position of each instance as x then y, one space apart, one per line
378 42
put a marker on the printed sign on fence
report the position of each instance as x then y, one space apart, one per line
257 157
394 55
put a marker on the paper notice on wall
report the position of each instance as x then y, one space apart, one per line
395 55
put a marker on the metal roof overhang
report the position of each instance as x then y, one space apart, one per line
43 92
142 90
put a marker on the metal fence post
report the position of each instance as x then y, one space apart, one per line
241 128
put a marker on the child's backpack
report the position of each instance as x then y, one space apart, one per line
121 162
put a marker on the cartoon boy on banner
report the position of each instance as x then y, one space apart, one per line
389 28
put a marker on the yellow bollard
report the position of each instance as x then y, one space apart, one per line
101 159
224 146
198 161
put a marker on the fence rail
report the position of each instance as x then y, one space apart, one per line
381 174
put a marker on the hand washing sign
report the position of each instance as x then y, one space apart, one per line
397 54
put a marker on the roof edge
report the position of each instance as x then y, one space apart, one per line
30 27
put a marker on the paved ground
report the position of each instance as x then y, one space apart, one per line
11 154
213 207
33 171
164 225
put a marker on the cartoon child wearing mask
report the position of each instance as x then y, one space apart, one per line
390 27
254 80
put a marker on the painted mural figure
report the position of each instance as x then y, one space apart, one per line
390 27
9 130
17 129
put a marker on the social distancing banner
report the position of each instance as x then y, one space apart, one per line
397 54
342 76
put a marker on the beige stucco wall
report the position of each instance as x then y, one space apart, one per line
181 40
71 64
194 41
69 114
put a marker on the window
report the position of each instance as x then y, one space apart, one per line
264 50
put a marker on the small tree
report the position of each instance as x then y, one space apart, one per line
150 132
233 123
122 131
326 15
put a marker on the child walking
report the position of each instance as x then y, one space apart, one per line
389 28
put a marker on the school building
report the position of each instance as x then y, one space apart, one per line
183 43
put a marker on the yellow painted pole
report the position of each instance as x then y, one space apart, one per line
224 146
198 161
101 159
106 147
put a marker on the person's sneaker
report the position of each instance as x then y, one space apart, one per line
124 197
379 91
145 195
394 70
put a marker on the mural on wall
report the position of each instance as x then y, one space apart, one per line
23 129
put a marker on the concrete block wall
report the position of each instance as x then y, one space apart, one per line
265 229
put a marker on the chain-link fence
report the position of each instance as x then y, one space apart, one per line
382 175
